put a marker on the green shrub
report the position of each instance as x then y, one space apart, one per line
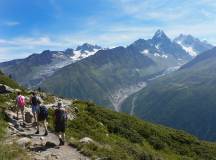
120 136
156 142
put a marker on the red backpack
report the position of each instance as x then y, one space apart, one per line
21 101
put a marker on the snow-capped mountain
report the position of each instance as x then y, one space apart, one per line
159 39
192 45
38 67
166 46
84 51
161 49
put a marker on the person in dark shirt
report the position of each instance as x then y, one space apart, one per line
60 119
35 101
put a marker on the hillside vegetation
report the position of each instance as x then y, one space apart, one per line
119 136
116 136
8 151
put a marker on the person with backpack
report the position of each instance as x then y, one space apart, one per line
35 101
42 116
60 120
20 104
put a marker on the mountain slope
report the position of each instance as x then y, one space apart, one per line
114 74
119 136
164 60
101 75
192 45
112 136
184 99
8 151
38 67
160 48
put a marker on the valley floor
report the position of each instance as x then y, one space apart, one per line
121 95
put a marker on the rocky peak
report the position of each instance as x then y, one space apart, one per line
189 39
192 44
69 51
160 35
88 47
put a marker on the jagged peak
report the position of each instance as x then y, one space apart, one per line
46 51
189 37
140 40
185 36
88 47
159 34
68 51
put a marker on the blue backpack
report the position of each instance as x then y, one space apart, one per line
42 113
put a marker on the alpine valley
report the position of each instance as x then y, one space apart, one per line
114 74
158 79
184 99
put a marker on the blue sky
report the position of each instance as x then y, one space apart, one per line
30 26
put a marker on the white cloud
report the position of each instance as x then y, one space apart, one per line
168 12
109 36
150 9
10 23
28 41
21 47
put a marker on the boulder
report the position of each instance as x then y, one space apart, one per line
86 140
5 89
10 117
17 90
28 117
24 142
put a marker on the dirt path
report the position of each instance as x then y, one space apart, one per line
39 147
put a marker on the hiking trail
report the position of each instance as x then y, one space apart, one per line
38 147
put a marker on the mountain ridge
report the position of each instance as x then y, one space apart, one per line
98 70
112 78
184 99
39 66
171 54
192 45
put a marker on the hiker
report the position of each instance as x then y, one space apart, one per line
20 104
35 101
60 121
42 116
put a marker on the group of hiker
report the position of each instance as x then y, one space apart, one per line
40 114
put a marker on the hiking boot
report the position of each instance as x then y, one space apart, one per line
37 132
61 142
16 118
46 133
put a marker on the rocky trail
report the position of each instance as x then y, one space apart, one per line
38 147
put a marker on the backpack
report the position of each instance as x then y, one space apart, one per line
61 116
21 101
35 101
42 113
